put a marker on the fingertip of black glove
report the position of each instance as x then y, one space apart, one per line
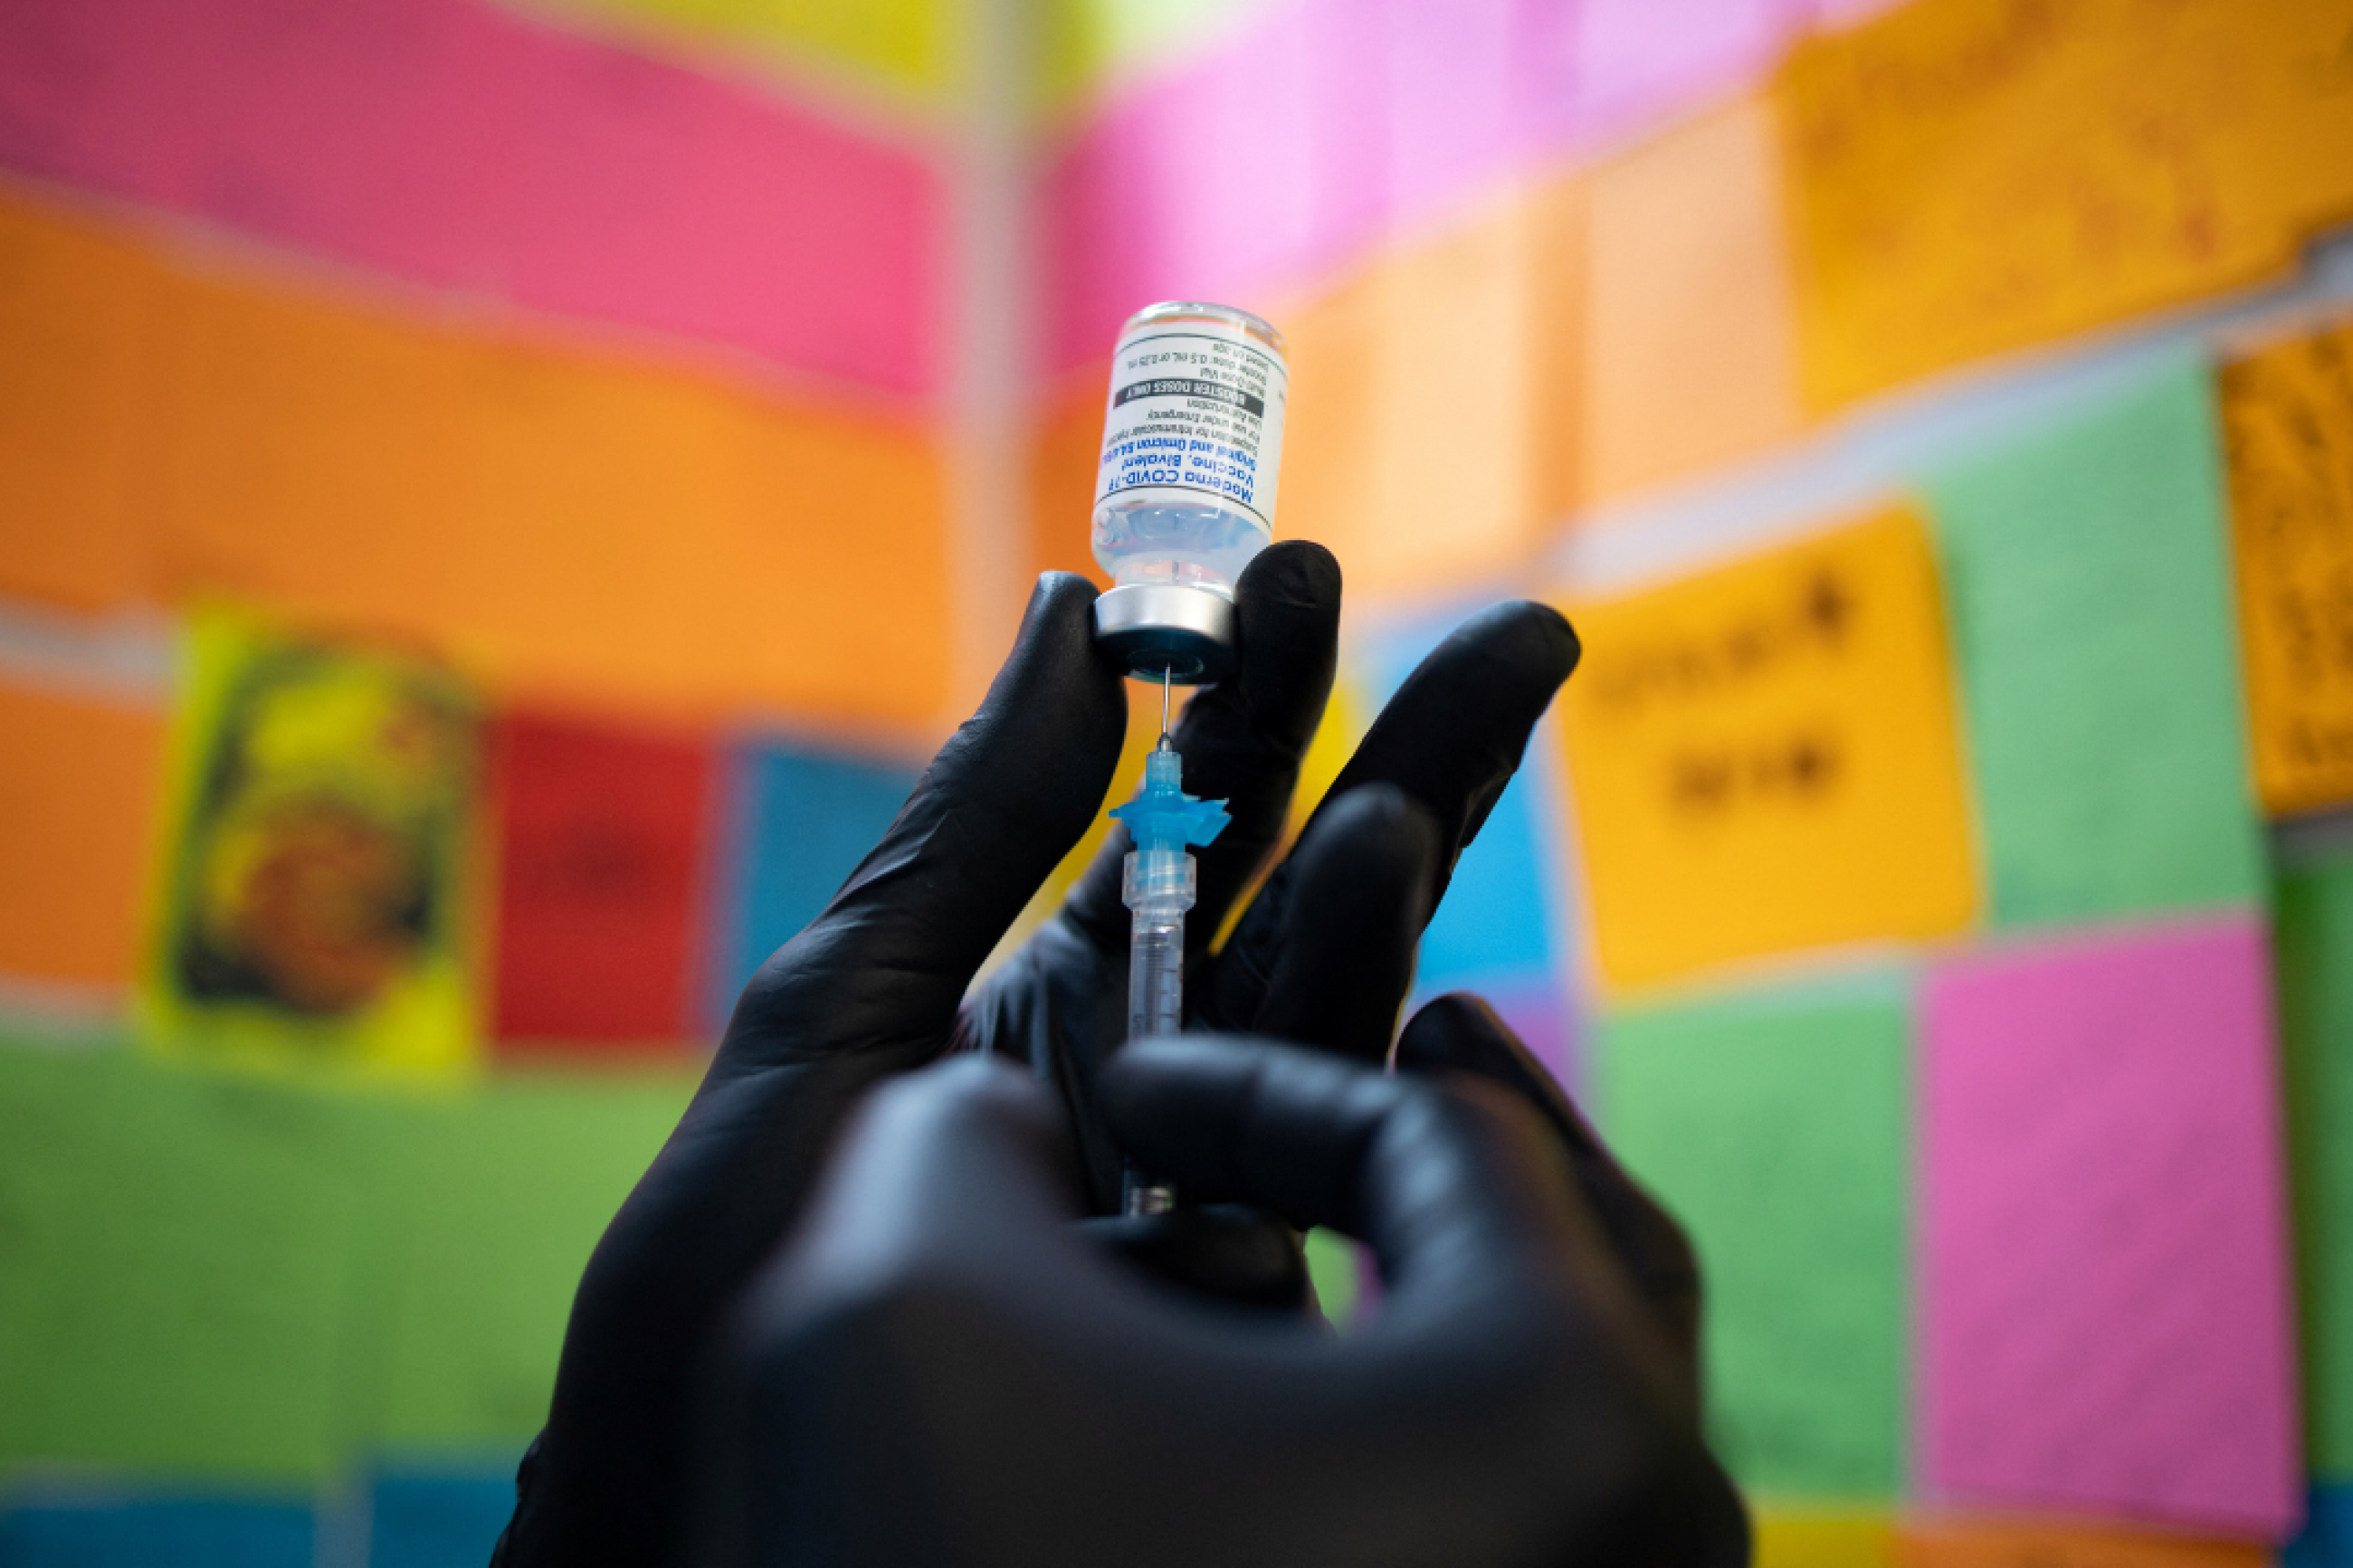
1527 637
1296 574
1459 1032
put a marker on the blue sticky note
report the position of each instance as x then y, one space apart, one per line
142 1533
1495 924
1493 920
799 820
439 1518
2327 1541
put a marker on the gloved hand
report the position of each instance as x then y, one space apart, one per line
938 1370
1325 955
877 985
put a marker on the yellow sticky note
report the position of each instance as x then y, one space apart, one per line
1408 449
1788 1539
1765 757
1971 176
310 910
1959 1544
903 48
1690 340
2287 421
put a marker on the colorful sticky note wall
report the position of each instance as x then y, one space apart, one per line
1764 758
2287 418
624 358
2100 1140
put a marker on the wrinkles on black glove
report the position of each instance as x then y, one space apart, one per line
941 1370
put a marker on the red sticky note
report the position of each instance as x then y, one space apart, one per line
602 840
2104 1299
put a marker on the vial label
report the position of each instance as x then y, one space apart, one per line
1196 410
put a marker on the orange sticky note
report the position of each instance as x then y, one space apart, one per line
577 524
80 782
1971 176
1765 757
1407 448
1691 340
2287 422
1824 1540
1065 450
75 311
1959 1544
1558 221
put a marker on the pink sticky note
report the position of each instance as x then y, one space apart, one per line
1235 174
1641 63
1454 121
2105 1320
455 144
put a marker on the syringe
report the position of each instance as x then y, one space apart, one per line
1159 887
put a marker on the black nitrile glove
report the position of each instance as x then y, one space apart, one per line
939 1371
1325 954
877 986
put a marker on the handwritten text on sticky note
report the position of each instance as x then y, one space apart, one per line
1765 757
2287 417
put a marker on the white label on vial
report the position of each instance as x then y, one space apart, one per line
1195 409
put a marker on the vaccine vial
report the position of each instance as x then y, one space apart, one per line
1184 489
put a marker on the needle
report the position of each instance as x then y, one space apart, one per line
1167 677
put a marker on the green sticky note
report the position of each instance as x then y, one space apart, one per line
178 1261
1773 1126
2089 590
2313 946
495 1200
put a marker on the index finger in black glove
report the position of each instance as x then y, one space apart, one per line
1016 786
1450 740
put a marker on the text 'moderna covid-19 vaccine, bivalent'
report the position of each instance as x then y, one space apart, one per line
1185 491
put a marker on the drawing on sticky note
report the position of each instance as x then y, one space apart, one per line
2287 419
309 897
1764 758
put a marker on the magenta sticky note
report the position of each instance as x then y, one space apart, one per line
1640 64
2104 1319
1235 174
459 145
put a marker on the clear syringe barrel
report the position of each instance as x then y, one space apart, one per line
1158 888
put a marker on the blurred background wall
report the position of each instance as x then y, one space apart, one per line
497 501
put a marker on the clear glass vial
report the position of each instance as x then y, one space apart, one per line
1185 486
